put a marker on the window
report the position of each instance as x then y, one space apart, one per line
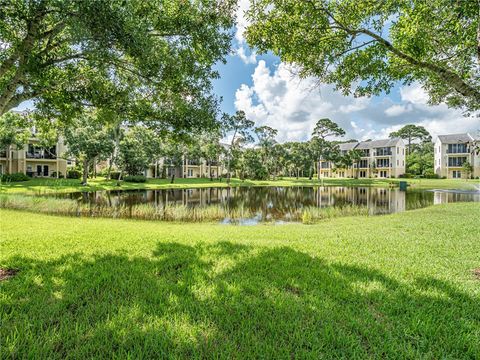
457 174
363 164
456 161
457 148
382 174
398 162
325 165
398 150
383 151
190 172
382 163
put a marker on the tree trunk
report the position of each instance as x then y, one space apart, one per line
109 171
120 177
173 178
85 172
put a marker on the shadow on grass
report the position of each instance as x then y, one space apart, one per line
228 300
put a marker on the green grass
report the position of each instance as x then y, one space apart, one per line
42 186
394 286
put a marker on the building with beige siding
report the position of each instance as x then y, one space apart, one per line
34 160
189 168
451 152
380 159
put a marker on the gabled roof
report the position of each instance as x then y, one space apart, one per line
378 143
347 146
455 138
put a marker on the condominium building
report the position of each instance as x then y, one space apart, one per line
451 152
34 160
380 158
189 168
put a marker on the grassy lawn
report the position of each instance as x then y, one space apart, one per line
395 286
41 186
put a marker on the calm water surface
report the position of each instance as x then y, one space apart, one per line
276 203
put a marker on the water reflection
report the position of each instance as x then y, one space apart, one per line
276 203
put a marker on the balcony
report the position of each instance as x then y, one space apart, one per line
383 151
363 164
458 149
47 156
193 162
456 161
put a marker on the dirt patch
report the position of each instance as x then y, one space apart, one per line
293 290
476 273
6 274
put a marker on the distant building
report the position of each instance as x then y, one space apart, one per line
380 158
34 160
189 168
452 151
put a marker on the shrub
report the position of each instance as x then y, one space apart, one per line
135 178
114 175
14 177
54 175
430 175
74 174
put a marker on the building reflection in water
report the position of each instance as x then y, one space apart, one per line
279 202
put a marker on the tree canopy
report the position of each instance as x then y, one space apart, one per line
365 47
410 133
143 59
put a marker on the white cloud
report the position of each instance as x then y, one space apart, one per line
279 99
243 51
414 94
246 58
396 110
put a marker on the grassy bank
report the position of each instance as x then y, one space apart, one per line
42 186
396 286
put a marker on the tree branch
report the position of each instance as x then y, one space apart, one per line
447 75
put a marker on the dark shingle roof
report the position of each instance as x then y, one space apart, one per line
347 146
378 143
455 138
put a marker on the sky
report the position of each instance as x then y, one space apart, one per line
269 93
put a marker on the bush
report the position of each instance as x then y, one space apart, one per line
135 178
74 174
114 175
430 175
54 175
14 177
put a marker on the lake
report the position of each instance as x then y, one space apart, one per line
278 203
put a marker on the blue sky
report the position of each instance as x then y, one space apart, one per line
270 94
